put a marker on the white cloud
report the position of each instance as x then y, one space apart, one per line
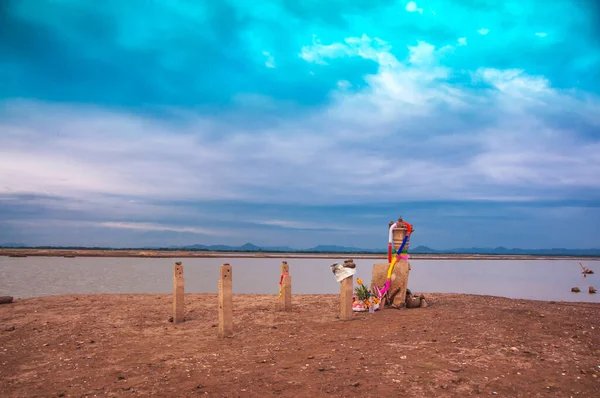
144 226
462 41
399 90
270 62
295 224
404 134
137 226
344 84
483 31
516 83
411 6
318 52
373 49
541 34
422 53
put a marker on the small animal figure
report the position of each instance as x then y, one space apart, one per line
575 290
592 290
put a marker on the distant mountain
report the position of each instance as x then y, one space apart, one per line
500 250
340 249
515 251
249 247
423 250
12 245
278 249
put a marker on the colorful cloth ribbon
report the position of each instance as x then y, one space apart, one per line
280 284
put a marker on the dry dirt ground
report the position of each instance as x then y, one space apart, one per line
124 345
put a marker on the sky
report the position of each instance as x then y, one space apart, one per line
175 122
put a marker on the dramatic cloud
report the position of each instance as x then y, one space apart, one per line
224 123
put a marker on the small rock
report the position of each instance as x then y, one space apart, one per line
199 386
494 393
121 378
214 325
170 319
274 327
355 384
514 349
321 369
9 328
311 357
403 357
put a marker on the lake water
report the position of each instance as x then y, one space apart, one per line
529 279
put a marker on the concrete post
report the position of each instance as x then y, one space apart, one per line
226 302
346 288
285 296
178 291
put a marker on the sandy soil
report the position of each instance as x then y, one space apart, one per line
204 254
124 345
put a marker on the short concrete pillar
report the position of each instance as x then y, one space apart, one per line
226 302
178 290
346 288
285 289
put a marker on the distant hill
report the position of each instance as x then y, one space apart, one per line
500 250
12 245
341 249
250 247
423 250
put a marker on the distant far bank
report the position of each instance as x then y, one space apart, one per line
149 253
322 250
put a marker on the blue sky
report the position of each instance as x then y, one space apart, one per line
128 123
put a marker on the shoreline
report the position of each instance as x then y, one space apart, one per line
461 345
300 296
122 253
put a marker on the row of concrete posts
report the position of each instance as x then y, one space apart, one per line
225 296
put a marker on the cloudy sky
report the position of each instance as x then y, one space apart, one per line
276 122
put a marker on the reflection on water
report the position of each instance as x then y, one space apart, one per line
531 279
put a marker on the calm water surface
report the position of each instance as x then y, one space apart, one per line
531 279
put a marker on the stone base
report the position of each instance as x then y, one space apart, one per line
398 283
